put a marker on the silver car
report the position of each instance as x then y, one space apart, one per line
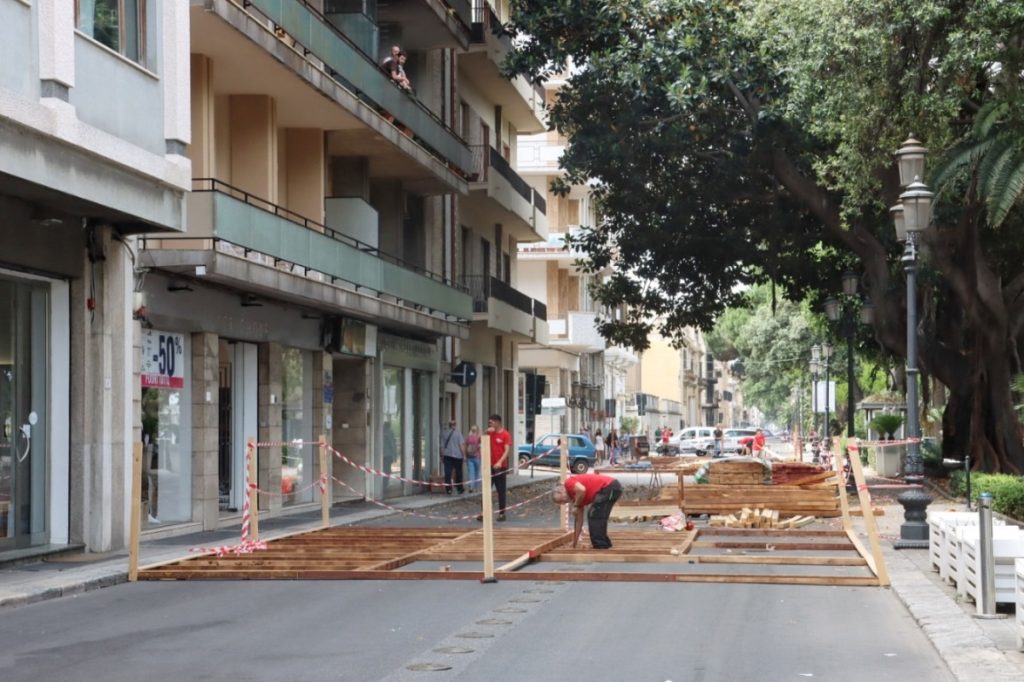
731 440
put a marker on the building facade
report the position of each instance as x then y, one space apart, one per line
94 128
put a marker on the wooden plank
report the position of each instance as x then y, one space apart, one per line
778 546
535 552
771 532
135 527
412 556
488 512
780 560
810 478
879 569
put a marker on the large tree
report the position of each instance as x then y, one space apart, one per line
736 140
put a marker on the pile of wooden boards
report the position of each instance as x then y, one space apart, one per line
813 494
759 518
737 472
786 473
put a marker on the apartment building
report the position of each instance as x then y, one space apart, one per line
499 212
94 127
576 363
314 290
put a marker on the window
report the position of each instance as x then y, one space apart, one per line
118 24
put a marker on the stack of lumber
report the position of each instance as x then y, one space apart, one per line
820 499
739 472
759 518
789 473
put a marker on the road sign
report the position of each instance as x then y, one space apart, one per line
464 374
553 406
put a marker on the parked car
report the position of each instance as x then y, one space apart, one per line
731 440
696 439
582 452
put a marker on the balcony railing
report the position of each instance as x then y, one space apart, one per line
486 19
482 287
349 64
540 202
540 311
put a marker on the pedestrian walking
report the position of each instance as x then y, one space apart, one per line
453 451
598 447
719 436
613 447
473 459
597 494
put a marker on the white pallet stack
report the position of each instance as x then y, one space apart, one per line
957 556
1019 574
1005 552
946 537
938 522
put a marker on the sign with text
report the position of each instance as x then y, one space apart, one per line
821 390
163 359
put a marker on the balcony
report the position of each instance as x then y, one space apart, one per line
577 332
500 195
437 23
309 35
522 103
537 155
253 245
506 309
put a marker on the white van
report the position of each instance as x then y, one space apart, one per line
693 439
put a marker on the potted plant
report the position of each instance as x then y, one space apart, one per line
887 462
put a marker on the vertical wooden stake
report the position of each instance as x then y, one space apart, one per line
325 491
844 503
488 513
563 473
136 516
250 489
869 516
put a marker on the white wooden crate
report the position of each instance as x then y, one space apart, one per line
1019 574
947 559
962 534
938 522
1005 552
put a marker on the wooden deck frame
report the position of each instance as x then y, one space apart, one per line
367 553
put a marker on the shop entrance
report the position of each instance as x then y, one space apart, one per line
24 348
237 420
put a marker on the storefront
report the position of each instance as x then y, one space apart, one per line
34 405
408 395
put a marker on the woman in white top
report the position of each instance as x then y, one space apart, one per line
599 447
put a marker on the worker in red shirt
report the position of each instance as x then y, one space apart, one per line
501 444
757 444
600 493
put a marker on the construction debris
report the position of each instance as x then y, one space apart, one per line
759 518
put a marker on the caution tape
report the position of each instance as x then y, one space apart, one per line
321 482
464 517
858 443
244 547
404 479
286 443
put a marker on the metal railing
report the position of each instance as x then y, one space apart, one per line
481 162
221 187
486 19
482 287
540 202
499 164
267 9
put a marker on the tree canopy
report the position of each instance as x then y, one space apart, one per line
736 141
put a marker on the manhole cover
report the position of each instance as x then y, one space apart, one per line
494 621
428 667
475 635
524 600
509 609
539 591
453 650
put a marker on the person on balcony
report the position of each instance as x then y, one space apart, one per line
396 70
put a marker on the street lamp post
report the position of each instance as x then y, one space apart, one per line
826 355
910 217
815 369
844 310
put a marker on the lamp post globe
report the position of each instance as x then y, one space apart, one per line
910 160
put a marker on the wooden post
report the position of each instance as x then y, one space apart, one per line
325 490
136 516
488 513
250 489
844 503
869 518
563 473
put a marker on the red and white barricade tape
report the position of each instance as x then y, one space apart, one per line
396 477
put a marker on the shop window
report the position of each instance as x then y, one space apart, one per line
118 24
166 429
392 415
296 426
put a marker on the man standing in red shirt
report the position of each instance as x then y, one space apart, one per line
501 443
758 444
600 493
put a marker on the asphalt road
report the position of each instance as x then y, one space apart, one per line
515 631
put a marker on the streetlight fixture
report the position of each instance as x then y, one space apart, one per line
916 203
915 214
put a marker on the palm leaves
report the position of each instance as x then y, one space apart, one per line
995 154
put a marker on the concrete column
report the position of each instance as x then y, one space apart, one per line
174 74
323 418
102 395
57 47
271 375
202 149
352 424
304 172
205 429
253 130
